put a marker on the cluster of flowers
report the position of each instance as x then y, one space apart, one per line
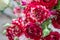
29 21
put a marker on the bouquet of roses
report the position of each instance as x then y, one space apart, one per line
33 20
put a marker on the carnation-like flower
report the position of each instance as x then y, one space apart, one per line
53 36
19 22
56 19
37 12
49 3
15 30
33 31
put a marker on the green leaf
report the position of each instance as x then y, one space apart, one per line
16 38
22 6
7 24
18 3
46 23
45 28
46 32
4 32
58 5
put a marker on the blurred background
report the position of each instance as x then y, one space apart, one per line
6 15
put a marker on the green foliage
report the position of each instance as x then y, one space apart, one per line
16 38
7 24
4 32
18 3
58 5
46 23
45 28
46 32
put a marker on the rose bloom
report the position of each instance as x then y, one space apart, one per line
49 3
37 12
56 19
15 30
33 31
